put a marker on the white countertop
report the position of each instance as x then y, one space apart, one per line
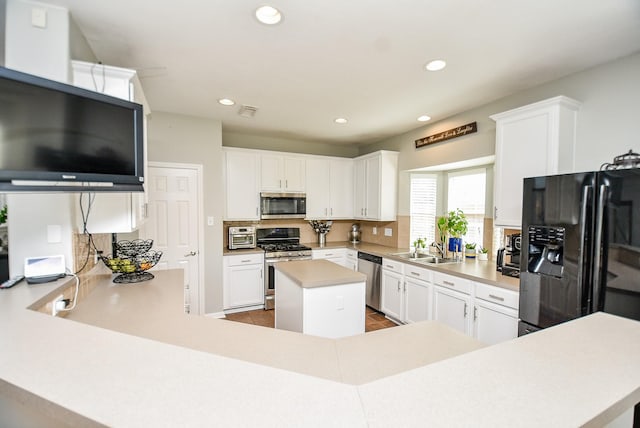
319 273
584 372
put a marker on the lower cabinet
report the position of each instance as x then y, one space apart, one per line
495 314
452 308
243 283
406 292
335 255
392 294
351 260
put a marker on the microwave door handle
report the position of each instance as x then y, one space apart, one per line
586 194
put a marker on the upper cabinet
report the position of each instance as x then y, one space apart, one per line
281 173
241 185
112 212
534 140
329 186
376 183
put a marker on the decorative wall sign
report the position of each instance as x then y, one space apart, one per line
469 128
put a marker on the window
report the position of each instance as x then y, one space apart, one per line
467 191
423 207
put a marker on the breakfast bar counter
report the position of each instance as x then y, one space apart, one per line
132 359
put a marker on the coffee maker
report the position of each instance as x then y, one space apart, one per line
509 257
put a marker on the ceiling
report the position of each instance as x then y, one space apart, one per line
359 59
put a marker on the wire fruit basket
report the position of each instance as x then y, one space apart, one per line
132 261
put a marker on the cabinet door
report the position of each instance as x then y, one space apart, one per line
372 204
417 299
318 175
242 196
294 175
391 294
271 173
452 308
360 197
243 286
340 189
494 323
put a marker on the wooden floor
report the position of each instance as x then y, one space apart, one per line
373 320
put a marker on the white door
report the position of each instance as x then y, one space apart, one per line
451 308
494 323
391 294
417 300
174 216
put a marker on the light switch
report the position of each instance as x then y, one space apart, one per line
54 234
388 231
210 221
39 17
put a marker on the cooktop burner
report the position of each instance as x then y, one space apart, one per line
272 247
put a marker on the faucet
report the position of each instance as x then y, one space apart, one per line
442 249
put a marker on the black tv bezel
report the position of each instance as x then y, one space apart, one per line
69 181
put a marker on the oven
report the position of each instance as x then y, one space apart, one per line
280 244
242 237
283 205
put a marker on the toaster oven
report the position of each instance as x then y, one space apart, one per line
242 237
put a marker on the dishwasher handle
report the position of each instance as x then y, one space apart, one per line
370 258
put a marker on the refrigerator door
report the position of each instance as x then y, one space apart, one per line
557 227
617 244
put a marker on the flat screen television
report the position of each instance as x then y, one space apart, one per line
58 137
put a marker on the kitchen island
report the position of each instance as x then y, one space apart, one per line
319 298
133 359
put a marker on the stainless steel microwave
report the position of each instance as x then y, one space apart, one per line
283 205
242 237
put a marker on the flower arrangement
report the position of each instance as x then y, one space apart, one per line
321 226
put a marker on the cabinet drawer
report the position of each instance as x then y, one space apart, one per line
452 282
501 296
411 271
244 259
328 254
392 265
352 255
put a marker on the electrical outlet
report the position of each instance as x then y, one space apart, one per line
375 230
388 231
54 305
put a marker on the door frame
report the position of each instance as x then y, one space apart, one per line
200 215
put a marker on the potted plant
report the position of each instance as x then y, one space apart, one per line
483 254
3 215
457 226
419 245
470 250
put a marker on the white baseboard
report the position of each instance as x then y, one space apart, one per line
244 309
215 315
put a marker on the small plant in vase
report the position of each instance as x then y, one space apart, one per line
470 251
483 254
457 226
419 245
3 215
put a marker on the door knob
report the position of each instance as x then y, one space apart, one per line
192 253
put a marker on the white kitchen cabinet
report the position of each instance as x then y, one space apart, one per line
243 283
112 212
335 255
495 314
329 188
534 140
376 179
351 259
418 294
452 301
242 195
281 173
392 294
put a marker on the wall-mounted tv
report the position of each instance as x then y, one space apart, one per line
58 137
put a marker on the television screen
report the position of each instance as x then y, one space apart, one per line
52 132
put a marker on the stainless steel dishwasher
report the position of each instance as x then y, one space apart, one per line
371 266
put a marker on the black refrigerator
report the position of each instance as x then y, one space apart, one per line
580 247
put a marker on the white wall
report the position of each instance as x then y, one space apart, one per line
185 139
44 52
610 94
248 141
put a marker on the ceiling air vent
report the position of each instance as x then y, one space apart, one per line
247 111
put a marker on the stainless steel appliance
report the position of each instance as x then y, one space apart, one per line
280 244
242 237
283 205
580 247
354 234
510 257
371 266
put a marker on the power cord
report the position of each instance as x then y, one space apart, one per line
75 296
85 219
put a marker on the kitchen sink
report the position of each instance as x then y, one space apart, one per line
424 258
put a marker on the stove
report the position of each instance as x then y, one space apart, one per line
280 244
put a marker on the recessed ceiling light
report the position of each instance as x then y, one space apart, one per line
268 15
226 102
424 118
341 120
436 65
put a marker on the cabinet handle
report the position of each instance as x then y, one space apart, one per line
245 261
286 184
256 211
398 285
495 213
449 283
328 254
405 286
415 274
475 313
331 209
498 298
389 266
279 183
465 309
